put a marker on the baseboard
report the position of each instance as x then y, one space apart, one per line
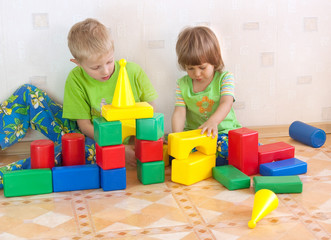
283 130
20 148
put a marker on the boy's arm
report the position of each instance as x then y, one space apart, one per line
178 119
211 125
86 127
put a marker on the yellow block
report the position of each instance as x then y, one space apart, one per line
182 143
123 95
265 201
139 110
195 168
128 128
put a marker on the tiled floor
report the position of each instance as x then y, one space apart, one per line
171 211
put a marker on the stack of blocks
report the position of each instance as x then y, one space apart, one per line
123 118
110 154
190 167
275 162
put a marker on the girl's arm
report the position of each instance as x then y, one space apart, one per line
86 127
210 126
178 119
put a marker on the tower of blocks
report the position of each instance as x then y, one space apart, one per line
190 167
121 119
124 118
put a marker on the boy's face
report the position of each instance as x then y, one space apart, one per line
99 67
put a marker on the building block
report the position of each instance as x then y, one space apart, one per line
149 151
307 134
139 110
231 178
110 157
287 167
73 149
123 95
107 133
265 201
113 179
181 144
72 178
150 172
275 152
128 128
27 182
278 184
150 128
243 150
42 154
195 168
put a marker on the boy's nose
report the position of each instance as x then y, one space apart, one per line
105 71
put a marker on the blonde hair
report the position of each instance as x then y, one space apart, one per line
89 37
198 45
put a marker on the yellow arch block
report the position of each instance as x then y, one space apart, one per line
182 143
128 128
195 168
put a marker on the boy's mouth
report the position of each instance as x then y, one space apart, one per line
106 78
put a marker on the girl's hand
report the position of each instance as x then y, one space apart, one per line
210 128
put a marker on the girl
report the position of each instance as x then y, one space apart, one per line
204 97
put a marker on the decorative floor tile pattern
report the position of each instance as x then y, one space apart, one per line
205 210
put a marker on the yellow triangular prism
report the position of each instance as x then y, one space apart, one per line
123 95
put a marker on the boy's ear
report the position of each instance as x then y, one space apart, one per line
74 61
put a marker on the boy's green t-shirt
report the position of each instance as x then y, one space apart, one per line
83 94
201 105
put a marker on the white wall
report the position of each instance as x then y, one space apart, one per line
278 50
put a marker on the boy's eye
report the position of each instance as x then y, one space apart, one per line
95 68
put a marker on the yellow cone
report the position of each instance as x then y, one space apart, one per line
265 201
123 96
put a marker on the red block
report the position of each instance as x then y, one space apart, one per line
110 157
149 151
73 149
275 152
42 154
243 150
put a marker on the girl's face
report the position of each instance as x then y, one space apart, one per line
100 68
203 73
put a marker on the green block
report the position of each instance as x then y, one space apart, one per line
150 128
231 177
150 172
107 133
27 182
278 184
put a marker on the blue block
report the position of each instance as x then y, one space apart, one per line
291 166
307 134
113 179
72 178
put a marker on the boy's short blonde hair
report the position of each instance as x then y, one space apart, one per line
89 38
198 45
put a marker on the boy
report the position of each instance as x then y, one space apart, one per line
94 79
